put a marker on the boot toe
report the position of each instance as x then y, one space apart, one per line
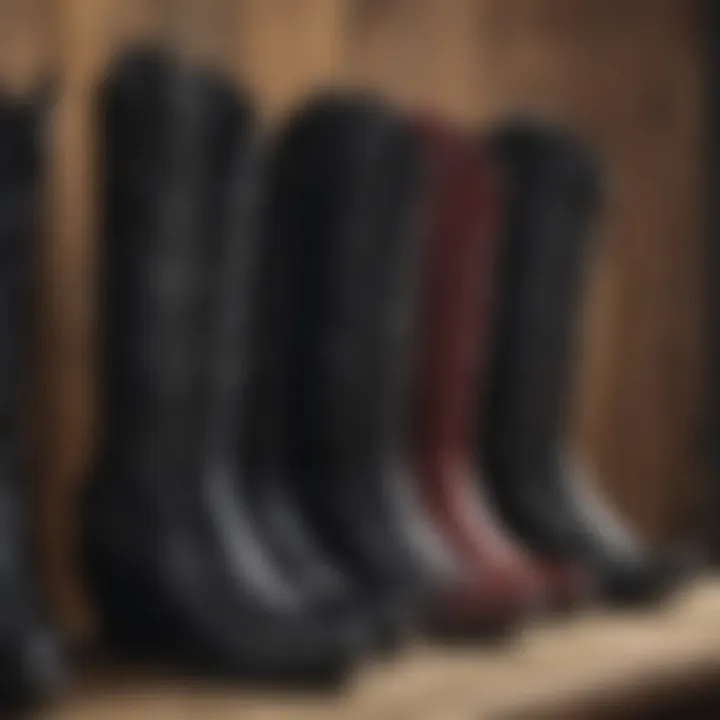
646 580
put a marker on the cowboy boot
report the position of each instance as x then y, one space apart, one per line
554 198
347 190
171 551
497 587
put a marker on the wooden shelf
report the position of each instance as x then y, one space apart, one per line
571 667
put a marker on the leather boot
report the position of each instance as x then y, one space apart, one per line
32 666
553 201
264 439
498 587
171 551
344 214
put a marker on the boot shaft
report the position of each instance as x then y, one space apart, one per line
552 202
457 291
172 141
352 245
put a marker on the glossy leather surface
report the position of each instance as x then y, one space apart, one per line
554 201
173 555
498 585
264 439
346 195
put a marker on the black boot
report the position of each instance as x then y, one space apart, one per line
269 486
344 228
171 551
31 664
552 204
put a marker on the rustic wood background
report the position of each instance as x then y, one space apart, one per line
628 74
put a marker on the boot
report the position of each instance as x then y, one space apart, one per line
498 587
171 552
263 444
554 199
345 199
32 667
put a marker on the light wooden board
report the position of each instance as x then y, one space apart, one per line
552 667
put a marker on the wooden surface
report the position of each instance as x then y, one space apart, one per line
595 664
628 74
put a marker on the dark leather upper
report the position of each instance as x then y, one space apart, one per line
166 525
346 193
464 212
554 187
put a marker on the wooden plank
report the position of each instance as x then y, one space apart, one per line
593 660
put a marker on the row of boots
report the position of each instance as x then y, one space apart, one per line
336 362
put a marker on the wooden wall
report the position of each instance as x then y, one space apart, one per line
628 74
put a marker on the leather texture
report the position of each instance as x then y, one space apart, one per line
345 208
263 439
498 586
174 556
554 199
32 665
